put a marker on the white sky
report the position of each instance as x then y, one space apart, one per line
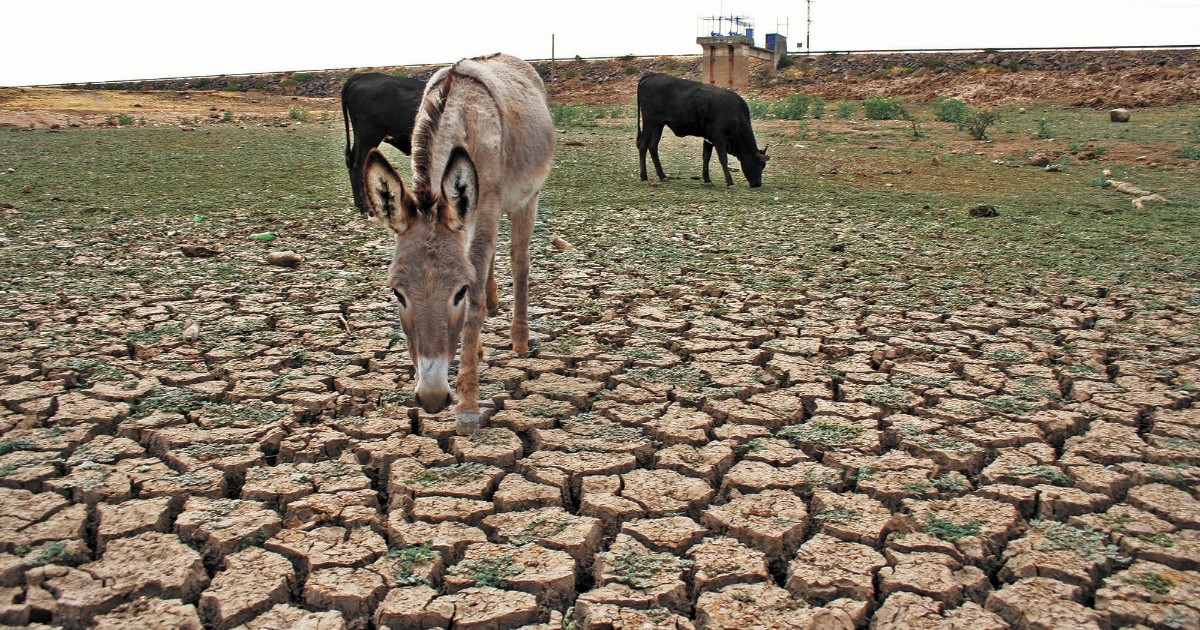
57 41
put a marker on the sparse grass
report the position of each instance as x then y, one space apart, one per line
947 529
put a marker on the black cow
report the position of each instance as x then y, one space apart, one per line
691 108
381 108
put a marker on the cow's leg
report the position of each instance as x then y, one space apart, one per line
358 163
708 148
643 144
724 158
655 137
522 235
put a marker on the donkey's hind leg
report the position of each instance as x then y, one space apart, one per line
493 298
522 235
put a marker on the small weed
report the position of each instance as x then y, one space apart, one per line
1152 580
298 114
839 515
20 444
1086 542
168 399
53 552
1050 473
638 568
889 397
410 557
490 571
820 432
949 483
1044 131
949 530
539 528
456 473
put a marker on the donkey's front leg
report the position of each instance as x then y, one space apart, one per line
522 233
466 386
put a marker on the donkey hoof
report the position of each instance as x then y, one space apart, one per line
467 423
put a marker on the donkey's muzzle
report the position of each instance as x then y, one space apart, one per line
433 403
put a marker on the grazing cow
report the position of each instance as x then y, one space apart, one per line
691 108
481 147
381 108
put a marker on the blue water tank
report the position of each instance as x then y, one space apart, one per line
750 32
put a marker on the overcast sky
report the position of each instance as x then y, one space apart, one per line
56 41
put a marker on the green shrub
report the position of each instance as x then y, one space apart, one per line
575 115
976 122
233 87
884 108
758 108
794 107
227 116
950 109
845 109
633 68
298 114
817 109
124 120
1190 151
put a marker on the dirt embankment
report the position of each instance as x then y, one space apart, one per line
1130 78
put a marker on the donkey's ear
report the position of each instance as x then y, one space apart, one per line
460 189
386 200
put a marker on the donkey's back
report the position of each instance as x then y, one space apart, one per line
493 107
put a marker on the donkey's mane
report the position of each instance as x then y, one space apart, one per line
433 106
422 140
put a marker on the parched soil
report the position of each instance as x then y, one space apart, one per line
673 453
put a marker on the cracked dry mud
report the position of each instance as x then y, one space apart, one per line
672 454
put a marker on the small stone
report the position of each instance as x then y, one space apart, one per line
1119 114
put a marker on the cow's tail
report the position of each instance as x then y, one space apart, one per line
346 121
639 108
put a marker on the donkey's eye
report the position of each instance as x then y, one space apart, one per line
400 298
458 297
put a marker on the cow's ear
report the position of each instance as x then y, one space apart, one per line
388 203
460 189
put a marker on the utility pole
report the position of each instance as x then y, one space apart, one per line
808 27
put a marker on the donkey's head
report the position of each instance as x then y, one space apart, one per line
430 272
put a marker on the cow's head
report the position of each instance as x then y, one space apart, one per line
753 165
430 272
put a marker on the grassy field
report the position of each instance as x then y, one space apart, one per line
842 201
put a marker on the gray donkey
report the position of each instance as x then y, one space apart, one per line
482 145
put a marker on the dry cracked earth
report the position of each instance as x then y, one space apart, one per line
684 455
